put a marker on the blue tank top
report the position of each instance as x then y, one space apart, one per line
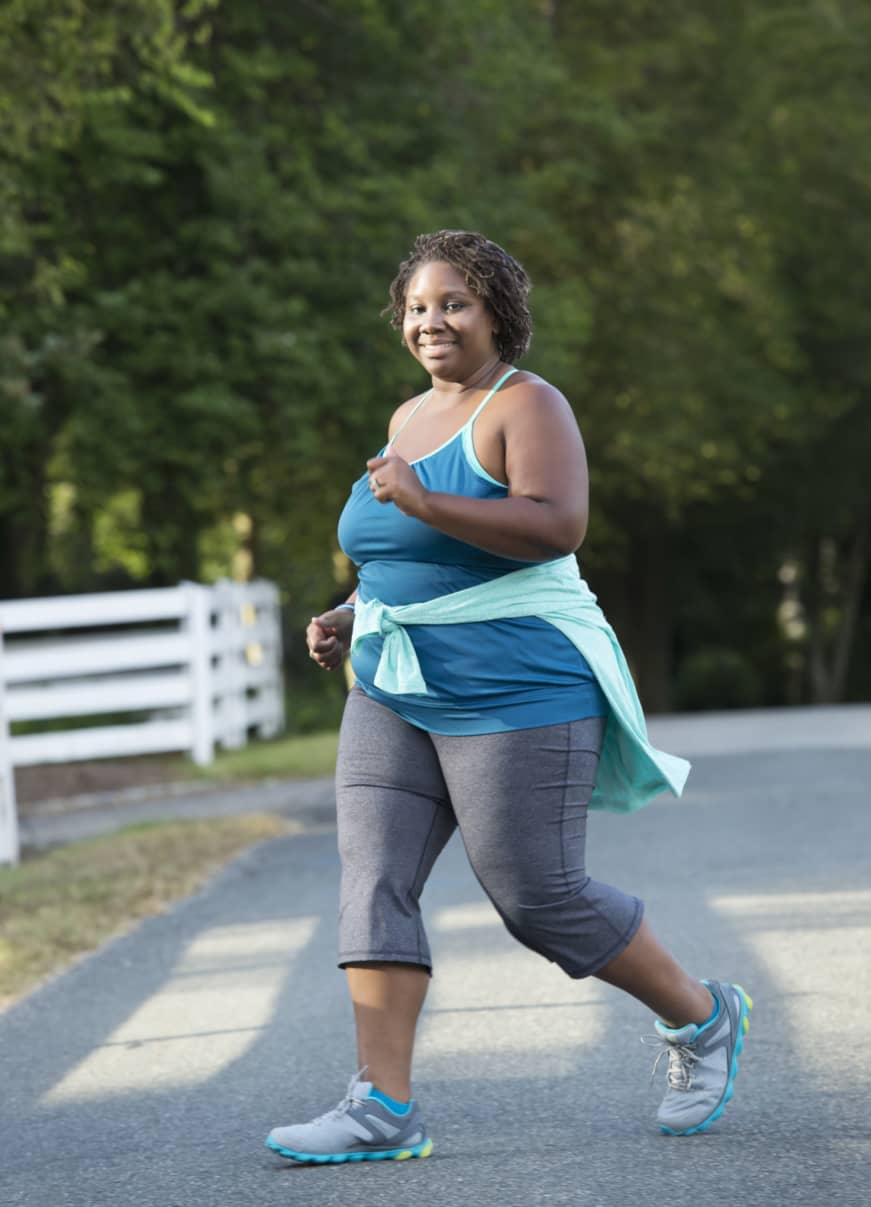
482 677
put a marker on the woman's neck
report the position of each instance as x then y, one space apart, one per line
482 377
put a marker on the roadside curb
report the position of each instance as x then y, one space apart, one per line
44 825
55 805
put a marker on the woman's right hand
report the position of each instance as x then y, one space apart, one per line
328 637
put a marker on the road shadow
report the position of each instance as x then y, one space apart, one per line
151 1072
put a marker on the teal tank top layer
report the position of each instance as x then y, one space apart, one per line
481 677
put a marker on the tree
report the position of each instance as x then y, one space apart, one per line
205 201
65 67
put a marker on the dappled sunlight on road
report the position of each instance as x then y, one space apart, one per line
219 996
541 1017
468 916
795 936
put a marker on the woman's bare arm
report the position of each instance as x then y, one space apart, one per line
545 513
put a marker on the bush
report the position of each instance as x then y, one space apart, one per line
717 678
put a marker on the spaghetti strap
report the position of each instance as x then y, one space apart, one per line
468 423
410 415
489 395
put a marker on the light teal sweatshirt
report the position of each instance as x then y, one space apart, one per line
631 772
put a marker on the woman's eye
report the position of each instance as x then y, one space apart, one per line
416 308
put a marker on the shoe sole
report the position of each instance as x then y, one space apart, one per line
392 1154
743 1028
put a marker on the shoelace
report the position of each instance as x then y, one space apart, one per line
681 1058
345 1105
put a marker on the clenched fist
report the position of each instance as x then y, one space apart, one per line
392 480
328 637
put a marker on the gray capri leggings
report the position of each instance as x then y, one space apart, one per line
520 800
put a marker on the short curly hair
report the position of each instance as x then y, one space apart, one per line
490 272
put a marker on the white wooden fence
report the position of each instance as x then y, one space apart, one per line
192 665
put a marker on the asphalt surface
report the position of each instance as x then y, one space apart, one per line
150 1073
311 802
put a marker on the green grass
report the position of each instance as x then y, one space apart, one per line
57 906
305 756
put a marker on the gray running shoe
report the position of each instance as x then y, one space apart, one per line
360 1128
702 1063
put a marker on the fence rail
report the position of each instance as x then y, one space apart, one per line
193 666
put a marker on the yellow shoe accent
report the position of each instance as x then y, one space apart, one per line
406 1152
746 1024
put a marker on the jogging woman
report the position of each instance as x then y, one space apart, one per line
491 695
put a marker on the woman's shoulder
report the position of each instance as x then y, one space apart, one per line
401 413
525 390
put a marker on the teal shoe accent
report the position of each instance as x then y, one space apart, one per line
398 1108
714 1016
423 1149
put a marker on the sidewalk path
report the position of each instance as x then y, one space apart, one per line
149 1074
307 800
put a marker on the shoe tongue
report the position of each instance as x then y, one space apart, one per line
677 1035
361 1089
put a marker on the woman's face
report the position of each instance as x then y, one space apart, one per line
446 326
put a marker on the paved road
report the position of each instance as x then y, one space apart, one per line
149 1074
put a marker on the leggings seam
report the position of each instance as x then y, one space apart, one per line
608 921
405 957
417 891
410 959
621 944
562 829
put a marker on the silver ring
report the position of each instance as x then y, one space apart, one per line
375 483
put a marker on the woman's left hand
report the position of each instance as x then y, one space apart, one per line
392 480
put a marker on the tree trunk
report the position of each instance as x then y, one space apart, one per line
854 586
23 542
829 657
172 532
817 670
656 618
639 606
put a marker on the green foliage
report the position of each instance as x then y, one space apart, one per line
715 679
202 203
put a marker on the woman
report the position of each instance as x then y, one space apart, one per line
491 695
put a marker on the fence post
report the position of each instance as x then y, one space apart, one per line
232 700
274 690
9 848
199 628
